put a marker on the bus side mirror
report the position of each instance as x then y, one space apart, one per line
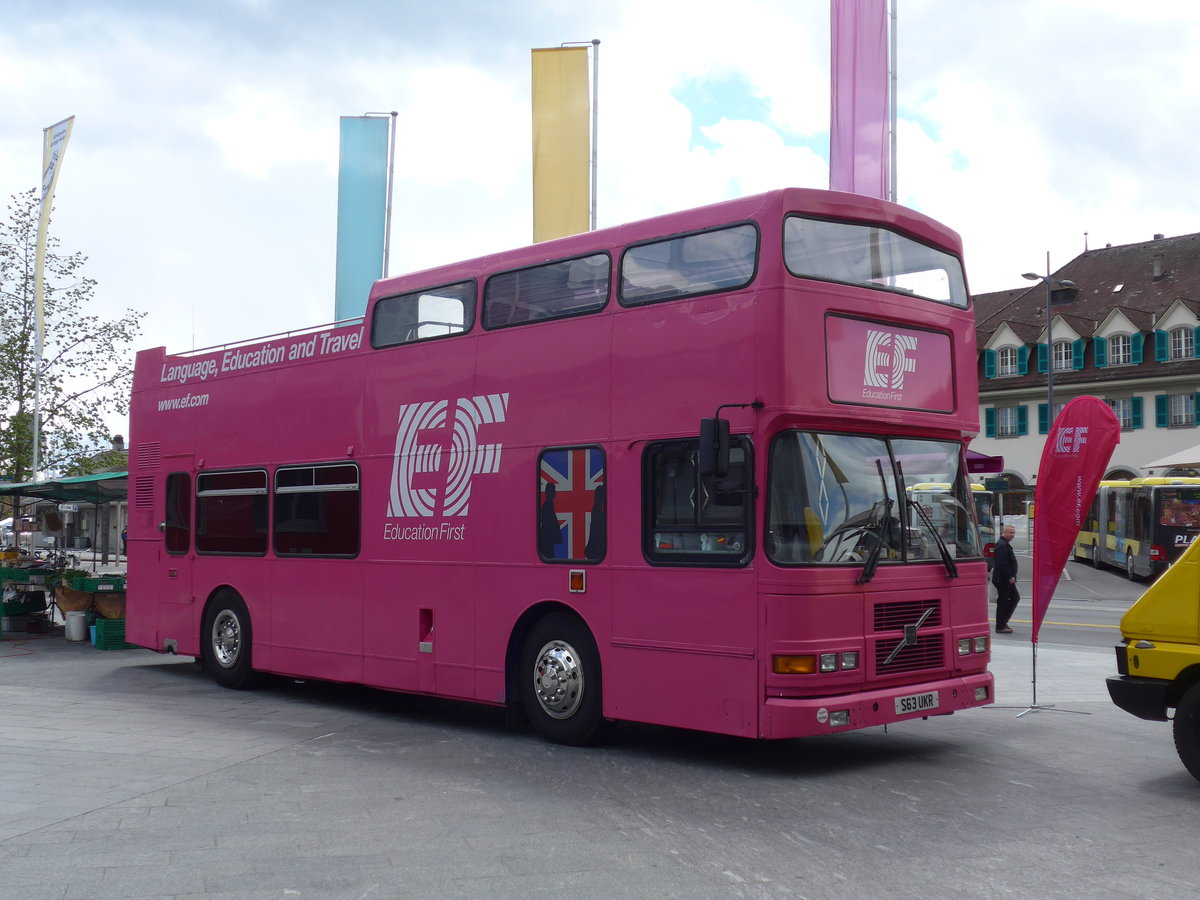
713 457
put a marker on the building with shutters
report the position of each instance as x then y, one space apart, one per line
1128 333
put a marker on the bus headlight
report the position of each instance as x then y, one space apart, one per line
839 717
981 643
964 646
829 662
850 659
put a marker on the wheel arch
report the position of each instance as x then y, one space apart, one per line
1182 683
516 640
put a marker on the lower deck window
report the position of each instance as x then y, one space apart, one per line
317 511
231 512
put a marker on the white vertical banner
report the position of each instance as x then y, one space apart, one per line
54 144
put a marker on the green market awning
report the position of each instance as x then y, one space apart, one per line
100 488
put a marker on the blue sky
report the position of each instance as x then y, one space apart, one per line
201 176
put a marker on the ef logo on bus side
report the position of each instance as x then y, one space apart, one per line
438 453
1071 439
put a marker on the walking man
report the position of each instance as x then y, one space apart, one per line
1004 577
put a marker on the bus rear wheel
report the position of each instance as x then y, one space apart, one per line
1186 730
560 680
225 641
1129 572
1095 556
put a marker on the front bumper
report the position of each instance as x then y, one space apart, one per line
787 717
1145 698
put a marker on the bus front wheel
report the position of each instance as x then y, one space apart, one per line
225 641
560 680
1186 729
1095 556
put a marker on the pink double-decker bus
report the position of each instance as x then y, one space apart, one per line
659 473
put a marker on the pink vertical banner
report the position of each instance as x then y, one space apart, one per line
858 122
1077 451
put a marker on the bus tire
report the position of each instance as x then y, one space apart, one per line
1129 572
1186 730
226 639
1095 556
560 680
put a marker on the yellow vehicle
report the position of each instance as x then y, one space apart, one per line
1158 659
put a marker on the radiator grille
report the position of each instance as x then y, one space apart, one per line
894 616
928 653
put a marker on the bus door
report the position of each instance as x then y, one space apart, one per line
162 555
691 609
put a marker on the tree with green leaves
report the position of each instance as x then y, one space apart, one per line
86 367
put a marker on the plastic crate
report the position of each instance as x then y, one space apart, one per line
102 584
110 634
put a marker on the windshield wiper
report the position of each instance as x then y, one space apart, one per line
872 561
947 559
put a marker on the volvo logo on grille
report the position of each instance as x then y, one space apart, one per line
910 635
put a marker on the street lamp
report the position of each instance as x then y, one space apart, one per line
1050 283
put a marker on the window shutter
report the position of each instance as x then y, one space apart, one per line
1196 409
1077 354
989 363
1022 420
1196 342
1135 348
989 422
1043 355
1100 352
1162 346
1043 418
1022 360
1162 411
1135 413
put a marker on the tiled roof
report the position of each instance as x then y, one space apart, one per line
1142 280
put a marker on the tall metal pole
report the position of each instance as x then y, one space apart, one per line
387 228
595 120
1049 350
892 104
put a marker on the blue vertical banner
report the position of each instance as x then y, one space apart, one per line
362 211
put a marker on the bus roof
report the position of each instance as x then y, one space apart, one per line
772 204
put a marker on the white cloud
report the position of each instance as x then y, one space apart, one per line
201 177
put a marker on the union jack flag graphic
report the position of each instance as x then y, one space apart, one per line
571 503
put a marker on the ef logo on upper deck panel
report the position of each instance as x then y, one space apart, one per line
889 357
438 454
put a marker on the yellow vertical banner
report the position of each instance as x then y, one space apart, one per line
561 130
54 144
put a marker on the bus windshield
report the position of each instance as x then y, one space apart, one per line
872 256
843 499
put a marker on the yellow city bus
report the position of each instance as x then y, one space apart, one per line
1141 525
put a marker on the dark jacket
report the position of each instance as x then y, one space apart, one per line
1005 566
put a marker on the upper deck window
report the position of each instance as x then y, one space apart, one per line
563 288
422 315
868 255
720 260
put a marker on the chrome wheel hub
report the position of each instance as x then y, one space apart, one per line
558 679
226 638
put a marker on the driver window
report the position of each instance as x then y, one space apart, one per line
692 519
